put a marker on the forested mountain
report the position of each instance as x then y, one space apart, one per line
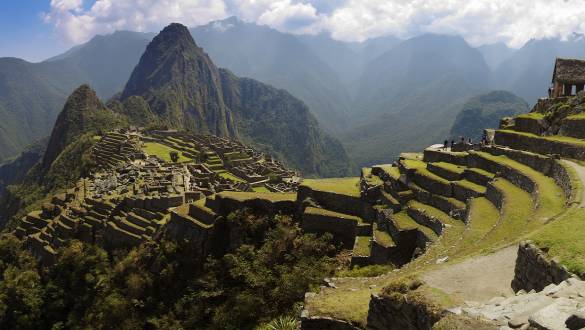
485 111
32 94
185 90
528 71
410 95
278 59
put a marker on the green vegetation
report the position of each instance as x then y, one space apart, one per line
383 238
166 285
550 200
366 271
555 138
163 152
270 196
261 189
485 111
328 213
231 176
362 246
342 186
450 167
472 186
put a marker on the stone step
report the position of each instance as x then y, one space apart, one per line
478 176
564 146
126 225
402 222
447 171
137 220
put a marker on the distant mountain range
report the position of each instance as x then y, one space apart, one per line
378 97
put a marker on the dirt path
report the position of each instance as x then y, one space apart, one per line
581 173
478 278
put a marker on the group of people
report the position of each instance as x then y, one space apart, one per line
462 141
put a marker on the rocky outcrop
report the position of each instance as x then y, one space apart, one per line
534 270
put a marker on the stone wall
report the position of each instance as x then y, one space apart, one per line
517 178
539 145
573 127
434 156
224 205
530 125
338 203
546 165
534 270
442 172
432 185
396 312
495 196
343 230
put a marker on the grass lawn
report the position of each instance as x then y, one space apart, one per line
328 213
555 138
551 199
362 246
272 197
531 115
231 176
405 222
472 186
483 217
163 152
564 239
392 171
383 238
261 189
450 167
342 186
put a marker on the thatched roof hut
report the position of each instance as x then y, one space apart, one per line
569 71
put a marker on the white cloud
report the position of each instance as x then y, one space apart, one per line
478 21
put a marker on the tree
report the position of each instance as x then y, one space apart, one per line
174 156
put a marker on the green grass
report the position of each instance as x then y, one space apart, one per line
550 200
450 167
405 222
389 169
555 138
231 176
517 213
362 246
564 239
342 186
531 115
383 238
163 152
472 186
366 271
371 179
481 172
272 197
483 216
328 213
432 211
421 168
261 189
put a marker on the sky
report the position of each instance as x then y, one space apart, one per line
37 29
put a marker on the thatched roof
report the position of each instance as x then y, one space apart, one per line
569 71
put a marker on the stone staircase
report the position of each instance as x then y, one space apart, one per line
112 149
558 306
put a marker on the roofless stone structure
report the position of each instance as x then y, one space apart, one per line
567 73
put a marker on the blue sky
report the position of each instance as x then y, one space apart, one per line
23 32
38 29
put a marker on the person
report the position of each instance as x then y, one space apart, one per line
445 144
549 92
452 143
469 141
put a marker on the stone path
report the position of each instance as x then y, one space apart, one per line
478 278
581 173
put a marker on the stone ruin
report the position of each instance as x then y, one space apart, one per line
130 198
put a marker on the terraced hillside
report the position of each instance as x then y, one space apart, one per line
447 212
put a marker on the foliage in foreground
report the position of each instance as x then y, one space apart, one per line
166 286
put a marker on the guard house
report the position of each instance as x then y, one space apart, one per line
568 72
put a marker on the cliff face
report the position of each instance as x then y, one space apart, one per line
181 84
185 90
83 113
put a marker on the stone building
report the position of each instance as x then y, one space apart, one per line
568 77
